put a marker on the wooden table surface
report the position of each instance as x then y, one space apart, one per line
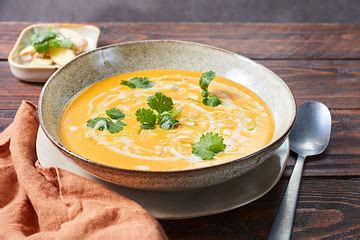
318 62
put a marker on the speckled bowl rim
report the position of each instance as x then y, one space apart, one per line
260 151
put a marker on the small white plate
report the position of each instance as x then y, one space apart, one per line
42 73
184 204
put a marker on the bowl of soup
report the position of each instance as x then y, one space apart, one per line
166 114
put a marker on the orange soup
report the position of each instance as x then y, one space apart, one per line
242 119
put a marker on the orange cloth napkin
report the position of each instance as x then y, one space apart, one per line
49 203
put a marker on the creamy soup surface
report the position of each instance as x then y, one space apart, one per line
243 120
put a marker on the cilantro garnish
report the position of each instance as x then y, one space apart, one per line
138 82
115 113
112 123
204 82
116 126
99 122
212 101
42 37
168 122
208 146
161 112
43 41
146 117
206 79
160 103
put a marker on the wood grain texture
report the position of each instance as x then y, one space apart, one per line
318 62
326 209
335 83
259 41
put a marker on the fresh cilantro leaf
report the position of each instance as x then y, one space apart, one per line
112 123
138 82
146 117
168 122
212 101
160 103
42 42
204 82
115 113
99 123
115 126
206 79
42 37
208 145
60 42
204 153
42 47
128 83
205 93
164 116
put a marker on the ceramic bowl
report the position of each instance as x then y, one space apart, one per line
42 73
166 54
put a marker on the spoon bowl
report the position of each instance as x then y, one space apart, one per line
311 132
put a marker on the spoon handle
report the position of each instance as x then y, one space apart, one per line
282 226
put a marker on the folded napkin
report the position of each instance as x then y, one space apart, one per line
49 203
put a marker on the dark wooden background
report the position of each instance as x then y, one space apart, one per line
318 61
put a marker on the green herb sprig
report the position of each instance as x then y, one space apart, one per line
146 117
138 82
43 41
161 112
208 146
204 82
113 123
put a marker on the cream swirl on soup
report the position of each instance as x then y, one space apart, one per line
242 119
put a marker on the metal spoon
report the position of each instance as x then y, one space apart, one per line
310 136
